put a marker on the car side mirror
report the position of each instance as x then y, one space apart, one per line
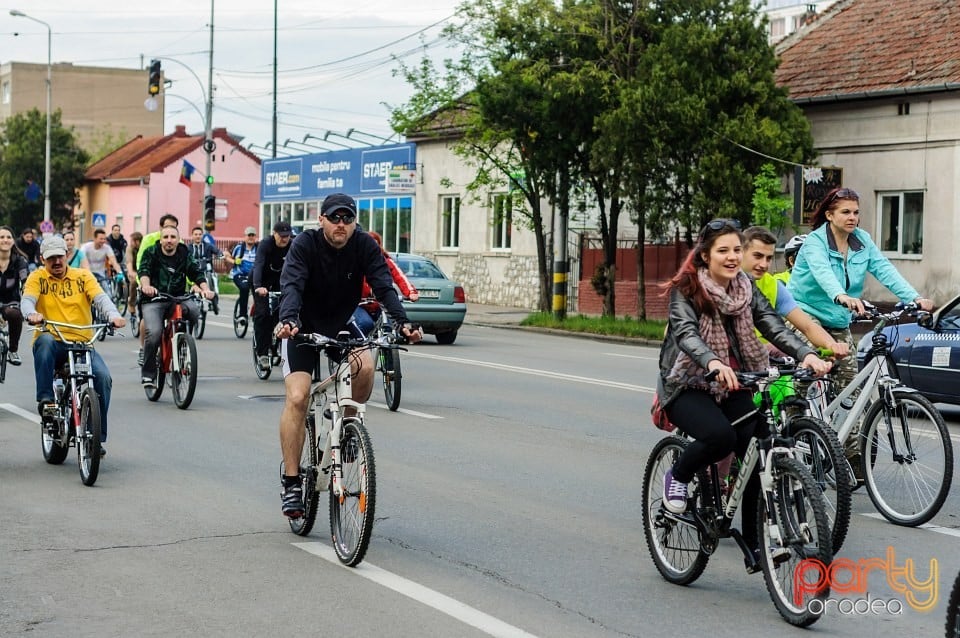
925 320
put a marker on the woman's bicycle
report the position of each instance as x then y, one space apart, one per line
906 455
5 339
75 418
340 459
263 372
817 446
387 360
176 355
792 525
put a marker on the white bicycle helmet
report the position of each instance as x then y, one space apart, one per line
793 246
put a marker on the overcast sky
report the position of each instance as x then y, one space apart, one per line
334 59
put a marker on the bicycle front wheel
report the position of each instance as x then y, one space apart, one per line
200 327
239 320
907 458
674 546
88 436
820 451
134 324
795 545
120 297
351 512
390 369
309 464
184 375
953 611
3 360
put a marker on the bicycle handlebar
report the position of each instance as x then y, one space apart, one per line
47 324
162 296
318 340
753 378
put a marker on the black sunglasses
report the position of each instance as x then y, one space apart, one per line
336 218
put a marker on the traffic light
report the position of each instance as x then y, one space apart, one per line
209 212
153 85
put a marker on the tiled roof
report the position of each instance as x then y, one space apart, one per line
141 156
864 48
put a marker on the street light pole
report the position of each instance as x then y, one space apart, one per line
208 145
46 160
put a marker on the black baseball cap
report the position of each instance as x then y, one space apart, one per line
338 201
282 228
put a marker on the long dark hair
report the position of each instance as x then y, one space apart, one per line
820 215
687 281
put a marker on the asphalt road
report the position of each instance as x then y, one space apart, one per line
508 488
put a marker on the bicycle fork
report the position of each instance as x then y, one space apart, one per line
890 413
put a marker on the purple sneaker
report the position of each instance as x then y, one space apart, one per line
674 494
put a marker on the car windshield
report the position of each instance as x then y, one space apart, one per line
420 268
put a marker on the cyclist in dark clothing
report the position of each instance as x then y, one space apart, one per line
321 284
271 254
165 268
118 243
29 247
13 272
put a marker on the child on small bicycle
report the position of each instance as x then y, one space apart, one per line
714 308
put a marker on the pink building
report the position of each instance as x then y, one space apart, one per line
140 181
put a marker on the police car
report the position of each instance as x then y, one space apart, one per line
927 355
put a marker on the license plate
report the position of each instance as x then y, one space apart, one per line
430 294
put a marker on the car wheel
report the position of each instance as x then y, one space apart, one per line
446 338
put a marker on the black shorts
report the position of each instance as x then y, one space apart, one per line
300 356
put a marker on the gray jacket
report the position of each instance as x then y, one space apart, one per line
683 333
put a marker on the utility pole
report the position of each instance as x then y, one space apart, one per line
209 146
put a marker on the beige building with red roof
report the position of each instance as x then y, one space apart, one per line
879 81
141 181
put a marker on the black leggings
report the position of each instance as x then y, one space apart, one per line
717 429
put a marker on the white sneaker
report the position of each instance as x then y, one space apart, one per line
674 494
13 358
263 361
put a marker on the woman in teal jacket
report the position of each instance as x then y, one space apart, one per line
832 266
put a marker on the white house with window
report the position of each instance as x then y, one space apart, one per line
888 118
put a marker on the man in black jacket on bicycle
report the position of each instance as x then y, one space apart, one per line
271 254
165 268
320 284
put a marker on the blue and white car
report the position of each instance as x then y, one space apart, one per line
927 356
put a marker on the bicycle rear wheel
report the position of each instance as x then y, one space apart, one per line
184 376
790 553
262 372
907 458
351 514
389 364
674 546
309 464
821 453
88 436
240 320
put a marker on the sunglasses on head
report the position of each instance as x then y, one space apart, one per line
336 218
720 224
845 193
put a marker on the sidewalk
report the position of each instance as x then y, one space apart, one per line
497 316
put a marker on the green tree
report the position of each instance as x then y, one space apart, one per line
771 208
22 149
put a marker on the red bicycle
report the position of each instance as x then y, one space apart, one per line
176 354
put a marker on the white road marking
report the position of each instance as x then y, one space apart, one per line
429 597
939 529
629 356
538 373
374 404
26 414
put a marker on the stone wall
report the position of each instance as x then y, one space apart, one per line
517 286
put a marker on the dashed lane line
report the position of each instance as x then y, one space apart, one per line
429 597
